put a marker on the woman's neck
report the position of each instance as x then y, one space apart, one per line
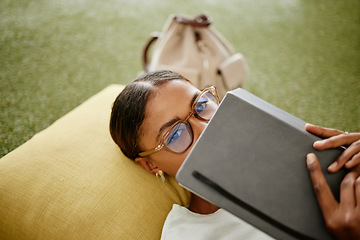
201 206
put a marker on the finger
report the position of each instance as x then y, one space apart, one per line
322 190
352 155
355 160
337 141
350 158
322 131
347 191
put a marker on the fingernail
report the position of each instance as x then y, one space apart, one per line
333 166
310 159
319 142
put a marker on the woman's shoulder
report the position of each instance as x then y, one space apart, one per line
220 224
184 212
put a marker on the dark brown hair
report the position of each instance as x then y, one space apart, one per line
128 111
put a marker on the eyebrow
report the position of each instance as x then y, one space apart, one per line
175 119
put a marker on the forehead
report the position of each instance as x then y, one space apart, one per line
173 90
169 100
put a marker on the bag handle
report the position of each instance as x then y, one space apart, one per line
201 20
146 62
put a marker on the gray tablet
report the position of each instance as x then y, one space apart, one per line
250 160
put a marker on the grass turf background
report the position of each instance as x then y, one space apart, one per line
303 55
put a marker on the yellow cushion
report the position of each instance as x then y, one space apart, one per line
71 181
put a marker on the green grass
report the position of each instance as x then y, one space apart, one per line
303 55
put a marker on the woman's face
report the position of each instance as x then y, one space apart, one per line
169 101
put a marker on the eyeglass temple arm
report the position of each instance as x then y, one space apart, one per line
151 151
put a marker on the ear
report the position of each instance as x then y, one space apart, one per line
145 163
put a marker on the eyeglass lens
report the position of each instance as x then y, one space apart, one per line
180 137
206 106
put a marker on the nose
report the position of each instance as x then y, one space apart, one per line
197 126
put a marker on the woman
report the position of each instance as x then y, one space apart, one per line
157 118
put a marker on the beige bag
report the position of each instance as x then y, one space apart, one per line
192 48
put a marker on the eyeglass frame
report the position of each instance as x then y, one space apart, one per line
162 145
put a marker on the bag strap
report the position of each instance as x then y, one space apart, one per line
201 20
146 62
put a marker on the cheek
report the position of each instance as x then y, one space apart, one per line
169 162
198 127
181 158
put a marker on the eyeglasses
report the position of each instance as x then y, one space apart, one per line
180 135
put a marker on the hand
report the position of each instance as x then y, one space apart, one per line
336 138
342 218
